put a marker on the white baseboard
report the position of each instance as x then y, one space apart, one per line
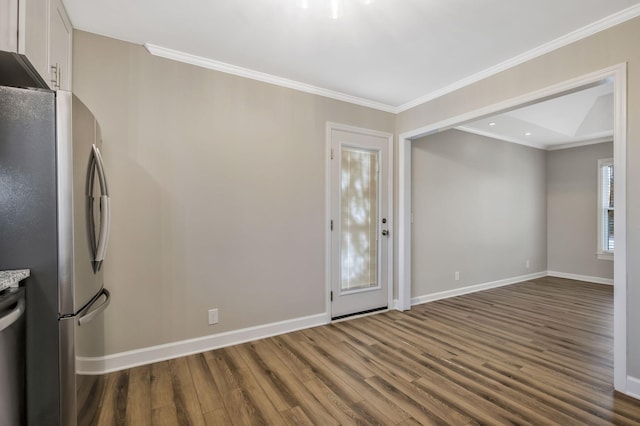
633 387
123 360
472 289
597 280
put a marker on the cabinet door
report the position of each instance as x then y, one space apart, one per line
59 46
9 26
33 36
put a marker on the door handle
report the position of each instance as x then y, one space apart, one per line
13 316
99 244
86 315
102 177
105 221
385 232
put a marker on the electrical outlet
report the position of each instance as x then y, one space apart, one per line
527 264
213 316
457 275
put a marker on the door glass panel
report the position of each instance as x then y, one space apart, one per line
359 218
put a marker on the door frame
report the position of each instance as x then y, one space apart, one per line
616 73
330 126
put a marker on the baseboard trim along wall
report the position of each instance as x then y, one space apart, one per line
123 360
597 280
633 387
474 288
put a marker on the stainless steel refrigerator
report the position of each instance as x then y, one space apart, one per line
54 220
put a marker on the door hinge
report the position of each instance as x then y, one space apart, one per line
332 153
331 224
331 294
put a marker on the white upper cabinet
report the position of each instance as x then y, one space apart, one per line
60 33
9 25
33 38
40 30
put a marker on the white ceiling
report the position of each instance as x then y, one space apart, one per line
389 54
579 118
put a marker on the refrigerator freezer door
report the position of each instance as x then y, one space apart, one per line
78 133
28 230
68 405
81 392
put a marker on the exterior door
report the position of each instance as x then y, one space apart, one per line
360 222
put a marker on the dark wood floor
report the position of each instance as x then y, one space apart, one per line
537 353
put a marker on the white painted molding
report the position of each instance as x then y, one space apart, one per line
603 24
405 215
474 288
224 67
633 387
581 143
597 280
123 360
524 100
327 219
607 137
359 130
620 306
579 34
491 135
504 282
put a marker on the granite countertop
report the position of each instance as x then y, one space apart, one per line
12 278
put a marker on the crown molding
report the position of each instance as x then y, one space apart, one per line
264 77
593 140
579 34
585 142
500 137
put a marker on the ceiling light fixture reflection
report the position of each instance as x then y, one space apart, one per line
492 124
528 134
336 9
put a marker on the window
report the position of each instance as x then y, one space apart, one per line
605 209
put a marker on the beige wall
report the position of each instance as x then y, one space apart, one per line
610 47
572 187
204 165
479 207
218 193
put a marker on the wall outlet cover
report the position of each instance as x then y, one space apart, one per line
213 316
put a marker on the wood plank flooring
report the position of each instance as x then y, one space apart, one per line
538 352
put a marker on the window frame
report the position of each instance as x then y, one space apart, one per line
602 253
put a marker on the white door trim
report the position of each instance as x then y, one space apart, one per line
617 73
389 136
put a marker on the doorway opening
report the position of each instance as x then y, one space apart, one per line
617 76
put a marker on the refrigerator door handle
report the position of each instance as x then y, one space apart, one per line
96 166
102 177
87 314
105 225
12 316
